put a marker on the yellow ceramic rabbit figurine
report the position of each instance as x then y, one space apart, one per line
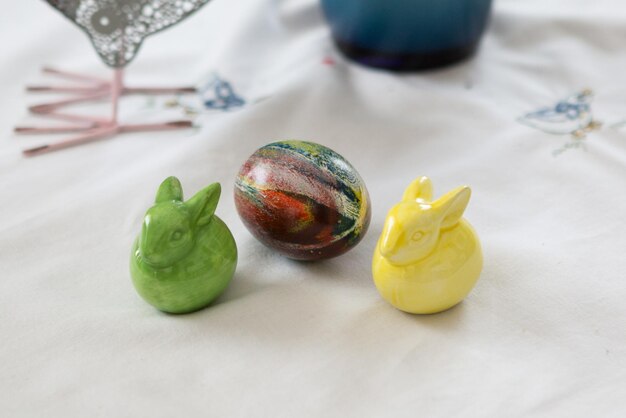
428 257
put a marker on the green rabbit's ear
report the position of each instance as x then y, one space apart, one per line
169 190
452 205
202 205
421 188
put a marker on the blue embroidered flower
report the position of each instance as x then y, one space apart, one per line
219 94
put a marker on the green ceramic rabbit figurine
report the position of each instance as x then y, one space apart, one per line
185 256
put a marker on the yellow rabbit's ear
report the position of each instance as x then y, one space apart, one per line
451 206
421 188
170 190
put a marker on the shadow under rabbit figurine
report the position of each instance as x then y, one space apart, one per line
428 257
185 256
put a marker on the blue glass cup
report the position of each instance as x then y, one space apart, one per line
407 35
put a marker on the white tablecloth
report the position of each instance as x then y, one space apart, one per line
542 334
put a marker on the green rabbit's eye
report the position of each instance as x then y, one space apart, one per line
417 236
177 235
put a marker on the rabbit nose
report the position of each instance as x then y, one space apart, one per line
389 239
146 255
152 259
386 251
146 252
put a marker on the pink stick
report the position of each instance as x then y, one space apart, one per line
116 92
101 133
28 130
44 108
158 90
155 127
65 89
77 118
87 137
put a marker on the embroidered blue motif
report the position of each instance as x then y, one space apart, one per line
571 116
213 94
218 94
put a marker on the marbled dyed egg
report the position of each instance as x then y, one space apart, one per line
303 200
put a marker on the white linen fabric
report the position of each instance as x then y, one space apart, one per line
542 334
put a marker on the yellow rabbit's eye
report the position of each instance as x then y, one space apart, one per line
417 236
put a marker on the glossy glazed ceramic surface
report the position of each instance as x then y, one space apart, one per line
428 258
303 200
185 256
